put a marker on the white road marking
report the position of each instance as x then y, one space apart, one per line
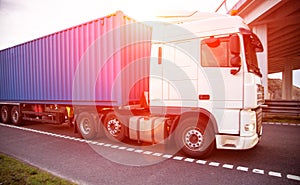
275 174
228 166
201 162
115 146
138 151
168 156
130 149
179 158
242 168
189 160
122 147
148 152
293 177
215 164
258 171
157 154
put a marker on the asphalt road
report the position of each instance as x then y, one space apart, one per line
60 151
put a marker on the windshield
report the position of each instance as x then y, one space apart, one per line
250 44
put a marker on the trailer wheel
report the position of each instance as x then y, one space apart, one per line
113 127
16 118
5 114
195 140
86 125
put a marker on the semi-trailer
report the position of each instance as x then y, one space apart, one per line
193 80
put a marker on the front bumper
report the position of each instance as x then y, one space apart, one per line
236 142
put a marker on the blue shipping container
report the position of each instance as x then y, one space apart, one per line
104 61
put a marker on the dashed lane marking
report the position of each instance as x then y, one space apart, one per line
201 162
281 124
293 177
168 156
215 164
228 166
189 160
242 168
258 171
178 158
275 174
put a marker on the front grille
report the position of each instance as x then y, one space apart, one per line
259 115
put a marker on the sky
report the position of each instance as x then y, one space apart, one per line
21 20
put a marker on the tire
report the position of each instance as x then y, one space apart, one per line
86 125
15 114
5 114
195 140
113 127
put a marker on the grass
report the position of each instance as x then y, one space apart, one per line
13 171
282 119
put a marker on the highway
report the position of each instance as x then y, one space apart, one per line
275 160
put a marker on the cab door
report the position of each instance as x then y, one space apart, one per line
221 85
224 72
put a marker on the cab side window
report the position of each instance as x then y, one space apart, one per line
215 52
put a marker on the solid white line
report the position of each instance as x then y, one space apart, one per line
275 174
293 177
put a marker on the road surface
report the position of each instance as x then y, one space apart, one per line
60 151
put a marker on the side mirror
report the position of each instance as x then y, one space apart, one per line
234 42
235 61
212 42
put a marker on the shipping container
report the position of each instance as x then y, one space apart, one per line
83 64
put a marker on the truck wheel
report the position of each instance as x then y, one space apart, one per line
197 141
16 118
86 125
5 117
113 127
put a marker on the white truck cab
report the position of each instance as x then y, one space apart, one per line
208 62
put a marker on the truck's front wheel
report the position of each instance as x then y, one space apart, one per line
86 125
195 140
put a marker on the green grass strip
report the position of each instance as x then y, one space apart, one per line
13 171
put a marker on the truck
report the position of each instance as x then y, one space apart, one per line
192 81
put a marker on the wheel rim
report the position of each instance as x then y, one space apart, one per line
85 126
193 139
114 127
15 116
4 114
